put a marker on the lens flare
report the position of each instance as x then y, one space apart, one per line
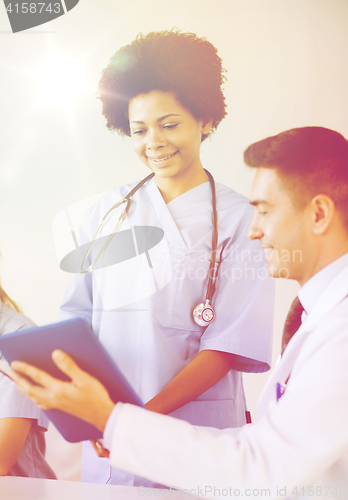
61 81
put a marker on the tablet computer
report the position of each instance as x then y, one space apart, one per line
75 337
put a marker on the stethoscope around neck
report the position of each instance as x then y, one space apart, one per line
203 313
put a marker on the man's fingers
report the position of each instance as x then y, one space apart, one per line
67 365
38 376
99 449
64 362
41 387
33 391
82 396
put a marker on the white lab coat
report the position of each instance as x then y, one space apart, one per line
143 314
31 461
297 445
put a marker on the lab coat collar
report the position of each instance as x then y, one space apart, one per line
310 292
335 292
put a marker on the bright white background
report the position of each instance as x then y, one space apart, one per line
287 67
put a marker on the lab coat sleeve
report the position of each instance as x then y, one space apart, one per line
297 440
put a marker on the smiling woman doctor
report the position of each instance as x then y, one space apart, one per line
164 91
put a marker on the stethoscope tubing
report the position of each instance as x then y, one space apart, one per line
126 199
213 268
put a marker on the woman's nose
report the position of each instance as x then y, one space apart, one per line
155 139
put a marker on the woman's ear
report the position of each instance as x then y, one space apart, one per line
206 127
323 210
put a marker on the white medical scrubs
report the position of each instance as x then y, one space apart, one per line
31 461
141 308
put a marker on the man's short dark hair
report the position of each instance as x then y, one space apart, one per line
311 161
168 61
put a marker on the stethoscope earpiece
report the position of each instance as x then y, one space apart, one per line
203 314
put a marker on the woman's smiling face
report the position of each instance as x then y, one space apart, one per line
165 135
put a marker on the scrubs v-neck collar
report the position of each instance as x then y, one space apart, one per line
167 213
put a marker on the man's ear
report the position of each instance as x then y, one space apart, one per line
323 210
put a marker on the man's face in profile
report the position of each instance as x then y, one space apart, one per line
282 228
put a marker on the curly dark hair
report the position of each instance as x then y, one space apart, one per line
168 61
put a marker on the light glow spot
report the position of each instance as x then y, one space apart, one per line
61 81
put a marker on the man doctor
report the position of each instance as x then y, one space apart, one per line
298 445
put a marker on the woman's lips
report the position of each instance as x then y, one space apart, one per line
161 159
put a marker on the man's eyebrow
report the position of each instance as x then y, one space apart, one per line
255 203
158 120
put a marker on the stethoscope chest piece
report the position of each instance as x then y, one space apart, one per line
203 314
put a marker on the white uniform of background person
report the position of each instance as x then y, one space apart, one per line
299 445
31 461
143 315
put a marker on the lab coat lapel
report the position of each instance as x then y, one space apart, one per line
333 295
164 216
281 372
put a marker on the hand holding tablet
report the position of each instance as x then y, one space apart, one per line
84 396
84 383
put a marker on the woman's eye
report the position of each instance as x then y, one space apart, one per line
138 132
171 126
